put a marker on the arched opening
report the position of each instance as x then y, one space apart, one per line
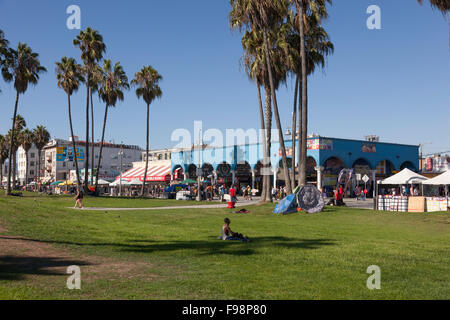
224 173
208 171
178 173
332 167
243 174
385 168
311 173
408 165
192 171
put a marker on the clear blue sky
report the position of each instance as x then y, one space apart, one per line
392 82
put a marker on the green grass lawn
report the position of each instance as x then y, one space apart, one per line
322 256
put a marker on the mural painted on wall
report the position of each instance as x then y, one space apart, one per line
369 148
320 144
66 154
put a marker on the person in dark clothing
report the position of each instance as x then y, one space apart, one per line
79 199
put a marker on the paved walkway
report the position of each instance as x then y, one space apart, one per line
218 205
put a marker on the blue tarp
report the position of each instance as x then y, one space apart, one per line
287 205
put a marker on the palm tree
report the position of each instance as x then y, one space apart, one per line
95 81
254 62
443 6
3 48
113 83
26 142
40 138
264 16
69 75
305 8
147 83
318 46
92 47
3 155
21 66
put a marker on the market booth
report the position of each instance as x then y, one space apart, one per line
441 202
398 202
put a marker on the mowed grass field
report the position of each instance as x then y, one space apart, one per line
175 254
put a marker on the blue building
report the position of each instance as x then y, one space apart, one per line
325 159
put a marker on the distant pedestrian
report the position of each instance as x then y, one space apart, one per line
79 199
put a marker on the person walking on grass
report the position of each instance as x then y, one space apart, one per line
79 199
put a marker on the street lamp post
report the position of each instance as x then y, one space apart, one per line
120 181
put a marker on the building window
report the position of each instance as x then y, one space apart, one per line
32 155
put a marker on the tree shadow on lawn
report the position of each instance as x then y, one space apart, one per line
210 246
16 267
214 246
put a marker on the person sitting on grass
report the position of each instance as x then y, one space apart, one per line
228 234
79 199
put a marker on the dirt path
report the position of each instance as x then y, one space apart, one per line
27 259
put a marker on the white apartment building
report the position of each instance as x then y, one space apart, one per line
32 165
60 163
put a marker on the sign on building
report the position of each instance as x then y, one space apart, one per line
66 154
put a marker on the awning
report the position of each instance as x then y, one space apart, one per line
154 173
443 179
405 176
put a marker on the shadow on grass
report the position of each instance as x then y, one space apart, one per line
16 267
209 246
214 246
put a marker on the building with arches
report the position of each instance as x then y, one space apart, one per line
325 159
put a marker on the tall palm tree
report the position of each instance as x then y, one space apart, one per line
94 83
3 155
318 47
254 62
3 48
26 142
305 8
147 83
264 16
21 66
40 138
69 75
443 6
92 47
111 90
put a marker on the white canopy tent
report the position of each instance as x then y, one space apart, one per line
443 179
405 176
117 183
136 183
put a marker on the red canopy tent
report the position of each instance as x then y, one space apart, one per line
154 174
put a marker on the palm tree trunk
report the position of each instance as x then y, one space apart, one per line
277 117
299 130
263 128
146 150
86 159
101 148
73 142
92 137
11 146
294 134
304 131
266 173
1 174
